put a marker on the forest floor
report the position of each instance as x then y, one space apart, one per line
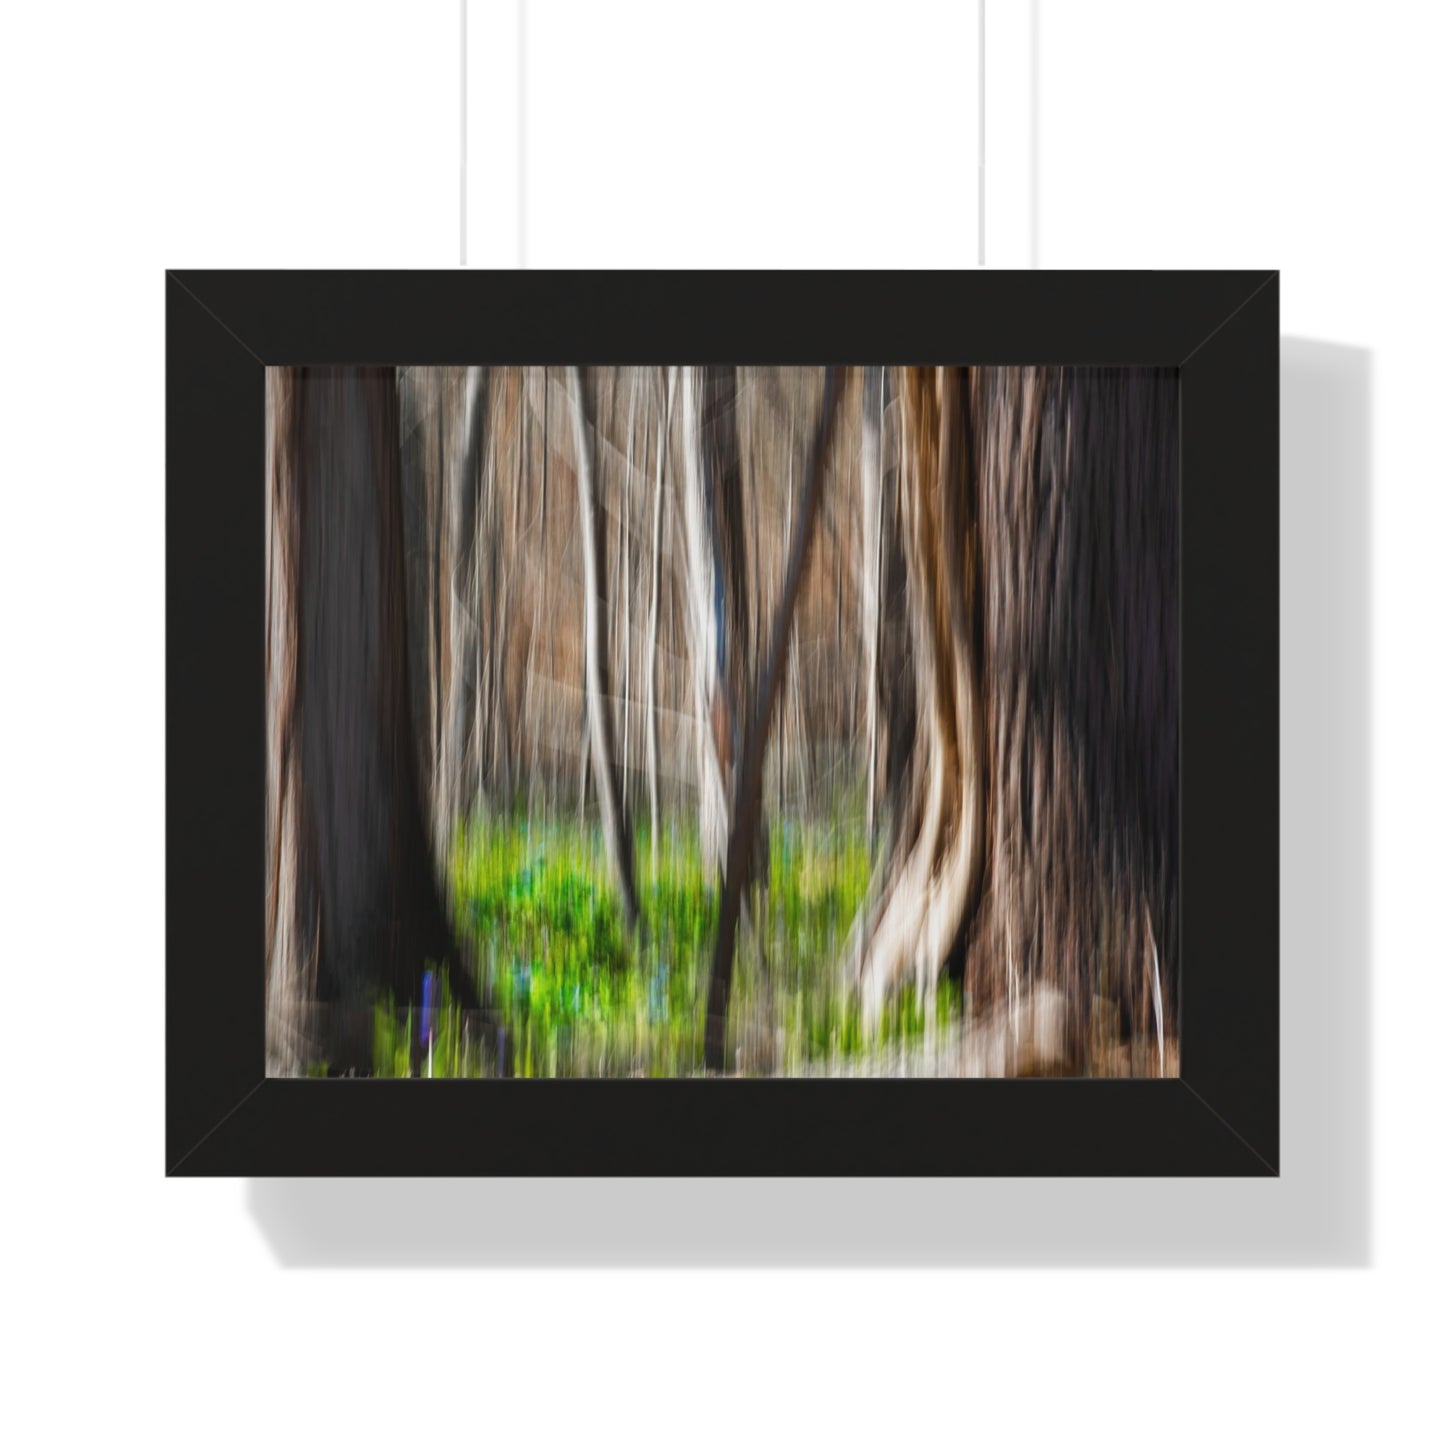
576 995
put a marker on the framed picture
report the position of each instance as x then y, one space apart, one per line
722 723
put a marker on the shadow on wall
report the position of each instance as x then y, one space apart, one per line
1317 1213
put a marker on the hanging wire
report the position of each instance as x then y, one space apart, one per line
981 8
464 132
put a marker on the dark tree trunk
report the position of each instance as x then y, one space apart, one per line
353 906
714 541
740 859
725 496
1079 527
896 682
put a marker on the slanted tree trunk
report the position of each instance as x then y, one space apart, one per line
730 539
932 875
740 858
624 572
616 829
353 909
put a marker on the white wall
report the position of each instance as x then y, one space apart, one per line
761 122
146 136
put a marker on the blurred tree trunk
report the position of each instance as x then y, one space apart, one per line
616 828
932 874
717 591
459 764
659 495
870 476
897 686
707 620
625 580
1078 500
450 550
1034 848
353 909
740 859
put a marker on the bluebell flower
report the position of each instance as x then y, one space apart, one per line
428 1007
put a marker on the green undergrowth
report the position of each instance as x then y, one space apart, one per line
575 995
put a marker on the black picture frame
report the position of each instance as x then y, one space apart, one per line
1220 1117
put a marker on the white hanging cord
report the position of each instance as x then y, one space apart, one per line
464 132
980 131
522 134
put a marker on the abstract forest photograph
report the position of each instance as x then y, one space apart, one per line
688 721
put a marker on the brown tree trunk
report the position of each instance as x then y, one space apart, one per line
353 909
1034 847
932 876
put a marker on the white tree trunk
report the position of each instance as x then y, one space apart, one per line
615 829
705 622
658 499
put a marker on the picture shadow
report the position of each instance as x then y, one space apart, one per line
1317 1213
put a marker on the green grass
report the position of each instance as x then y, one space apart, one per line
576 996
